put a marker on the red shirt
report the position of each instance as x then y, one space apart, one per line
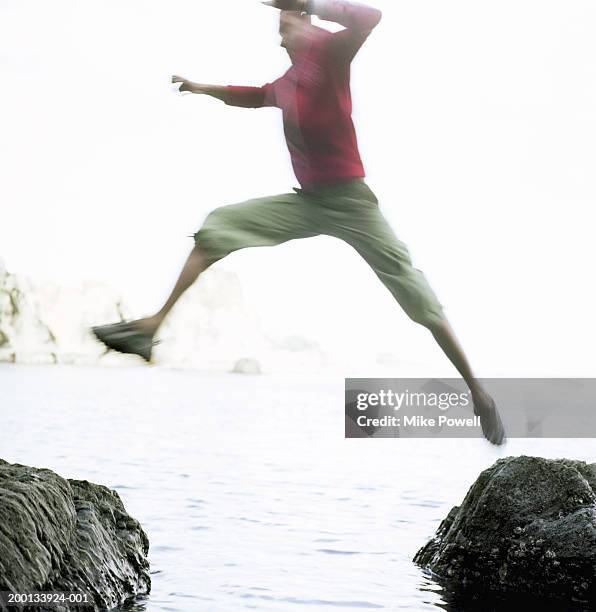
315 99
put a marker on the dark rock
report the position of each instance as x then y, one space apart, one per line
526 526
68 535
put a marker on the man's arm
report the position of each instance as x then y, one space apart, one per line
232 95
358 19
351 15
248 97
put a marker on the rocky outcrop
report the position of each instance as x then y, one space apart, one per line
68 535
20 323
212 327
49 323
526 526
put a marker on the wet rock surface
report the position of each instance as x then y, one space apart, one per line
68 535
526 526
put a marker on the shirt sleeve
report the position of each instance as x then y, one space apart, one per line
250 97
358 20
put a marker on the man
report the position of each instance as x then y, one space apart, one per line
333 199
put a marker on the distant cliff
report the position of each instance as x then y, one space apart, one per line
211 328
49 324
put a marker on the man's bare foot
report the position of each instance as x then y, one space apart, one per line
492 427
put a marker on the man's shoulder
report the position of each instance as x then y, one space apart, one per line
321 39
329 46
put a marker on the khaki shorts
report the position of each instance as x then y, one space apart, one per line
349 211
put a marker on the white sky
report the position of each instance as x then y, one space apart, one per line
477 126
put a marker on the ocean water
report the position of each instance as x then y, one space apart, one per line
250 495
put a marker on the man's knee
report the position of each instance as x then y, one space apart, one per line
422 305
434 321
411 290
205 256
209 239
208 245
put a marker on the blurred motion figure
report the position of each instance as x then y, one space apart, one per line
333 199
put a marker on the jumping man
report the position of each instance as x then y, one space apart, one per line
333 198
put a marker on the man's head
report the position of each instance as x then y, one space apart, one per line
295 30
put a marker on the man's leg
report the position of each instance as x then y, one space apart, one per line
354 216
197 262
258 222
484 406
446 339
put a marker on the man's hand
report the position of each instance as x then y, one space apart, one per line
287 5
186 84
221 92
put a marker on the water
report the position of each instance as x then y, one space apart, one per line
251 497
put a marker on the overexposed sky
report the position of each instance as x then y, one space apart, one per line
477 126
